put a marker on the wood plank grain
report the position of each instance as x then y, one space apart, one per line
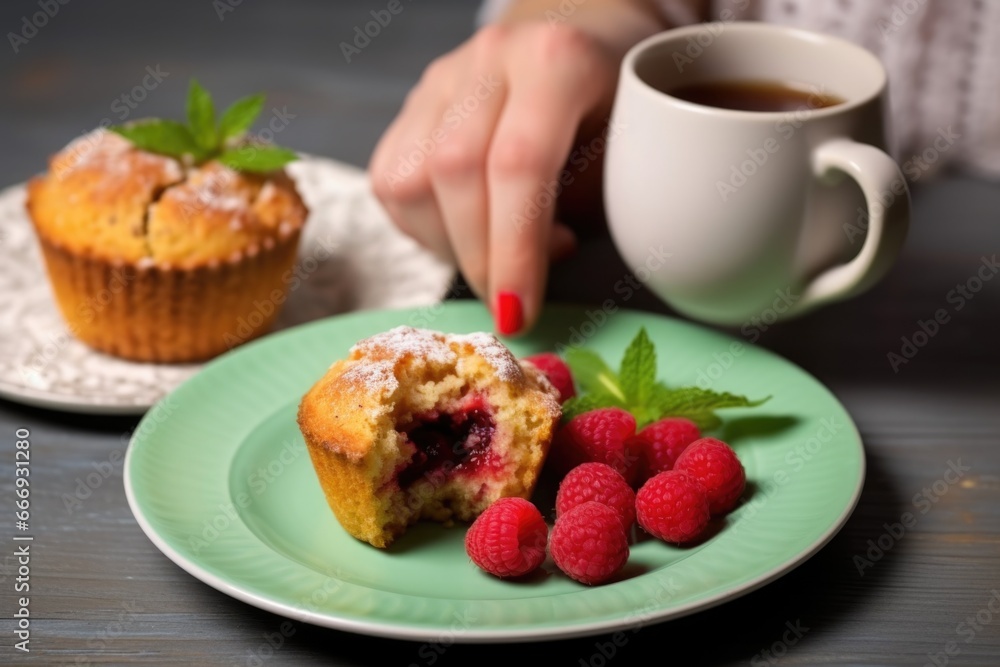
103 594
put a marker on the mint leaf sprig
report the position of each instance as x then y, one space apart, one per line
635 388
203 139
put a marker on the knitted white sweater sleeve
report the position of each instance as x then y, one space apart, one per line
943 60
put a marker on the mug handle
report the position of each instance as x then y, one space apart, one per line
876 174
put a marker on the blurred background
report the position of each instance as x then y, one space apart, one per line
69 65
66 66
64 74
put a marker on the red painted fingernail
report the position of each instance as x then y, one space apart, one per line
509 315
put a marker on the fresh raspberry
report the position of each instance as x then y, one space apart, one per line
508 539
601 483
715 466
600 436
556 371
589 543
672 507
660 443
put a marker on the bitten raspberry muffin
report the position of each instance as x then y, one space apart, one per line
417 424
152 259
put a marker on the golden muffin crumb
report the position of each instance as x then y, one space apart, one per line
416 424
200 247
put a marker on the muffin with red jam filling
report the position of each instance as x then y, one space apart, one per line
417 424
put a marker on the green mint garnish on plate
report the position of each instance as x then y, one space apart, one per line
635 388
203 139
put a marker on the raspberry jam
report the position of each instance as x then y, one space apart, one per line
449 442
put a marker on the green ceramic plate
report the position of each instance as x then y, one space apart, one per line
220 480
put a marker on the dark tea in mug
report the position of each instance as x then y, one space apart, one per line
755 95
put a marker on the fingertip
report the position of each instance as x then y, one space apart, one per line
508 313
517 283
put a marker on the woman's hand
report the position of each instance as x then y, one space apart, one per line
471 166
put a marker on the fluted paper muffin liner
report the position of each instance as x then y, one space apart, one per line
150 313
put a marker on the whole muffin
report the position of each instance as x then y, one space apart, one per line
156 261
416 424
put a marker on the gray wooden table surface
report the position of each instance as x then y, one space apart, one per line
103 594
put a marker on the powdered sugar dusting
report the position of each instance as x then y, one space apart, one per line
209 195
267 192
114 155
403 341
494 353
387 348
375 378
540 378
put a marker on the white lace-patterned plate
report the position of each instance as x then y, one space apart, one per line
351 258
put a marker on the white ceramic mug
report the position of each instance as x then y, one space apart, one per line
755 212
